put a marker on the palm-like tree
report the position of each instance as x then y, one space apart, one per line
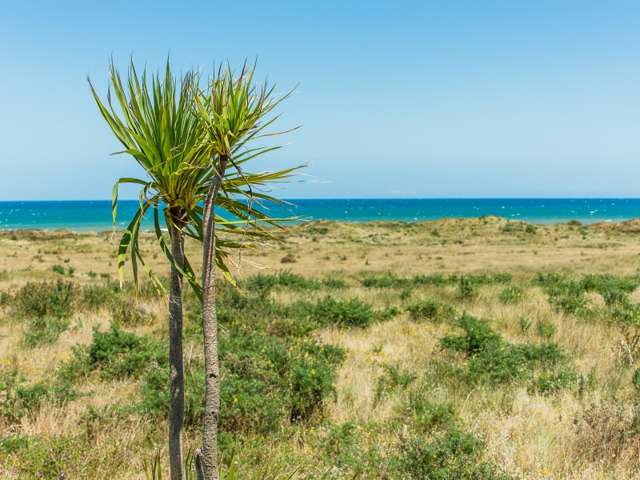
156 125
234 112
194 146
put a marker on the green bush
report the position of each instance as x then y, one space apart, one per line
265 382
155 396
427 416
317 230
571 304
615 297
567 294
492 359
604 282
447 456
431 310
489 278
41 299
334 283
555 381
478 337
311 378
627 315
272 372
510 227
341 313
120 354
284 279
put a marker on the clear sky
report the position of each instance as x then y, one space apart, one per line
396 99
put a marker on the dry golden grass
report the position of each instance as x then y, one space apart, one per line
536 437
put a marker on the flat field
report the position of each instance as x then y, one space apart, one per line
455 349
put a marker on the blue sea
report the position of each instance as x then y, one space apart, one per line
96 214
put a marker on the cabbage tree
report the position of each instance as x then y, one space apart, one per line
153 118
235 113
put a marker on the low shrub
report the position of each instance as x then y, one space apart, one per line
427 416
155 396
335 312
120 354
42 299
266 381
311 378
553 382
478 337
449 455
567 294
431 310
492 359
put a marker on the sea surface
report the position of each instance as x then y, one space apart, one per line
96 214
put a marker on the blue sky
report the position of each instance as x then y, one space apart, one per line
395 99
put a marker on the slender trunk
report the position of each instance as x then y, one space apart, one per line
208 458
176 411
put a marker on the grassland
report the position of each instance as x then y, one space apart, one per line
478 349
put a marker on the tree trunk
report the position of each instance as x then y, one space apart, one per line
209 455
176 411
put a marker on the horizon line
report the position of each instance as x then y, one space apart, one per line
606 197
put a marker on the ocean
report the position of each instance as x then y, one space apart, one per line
96 214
